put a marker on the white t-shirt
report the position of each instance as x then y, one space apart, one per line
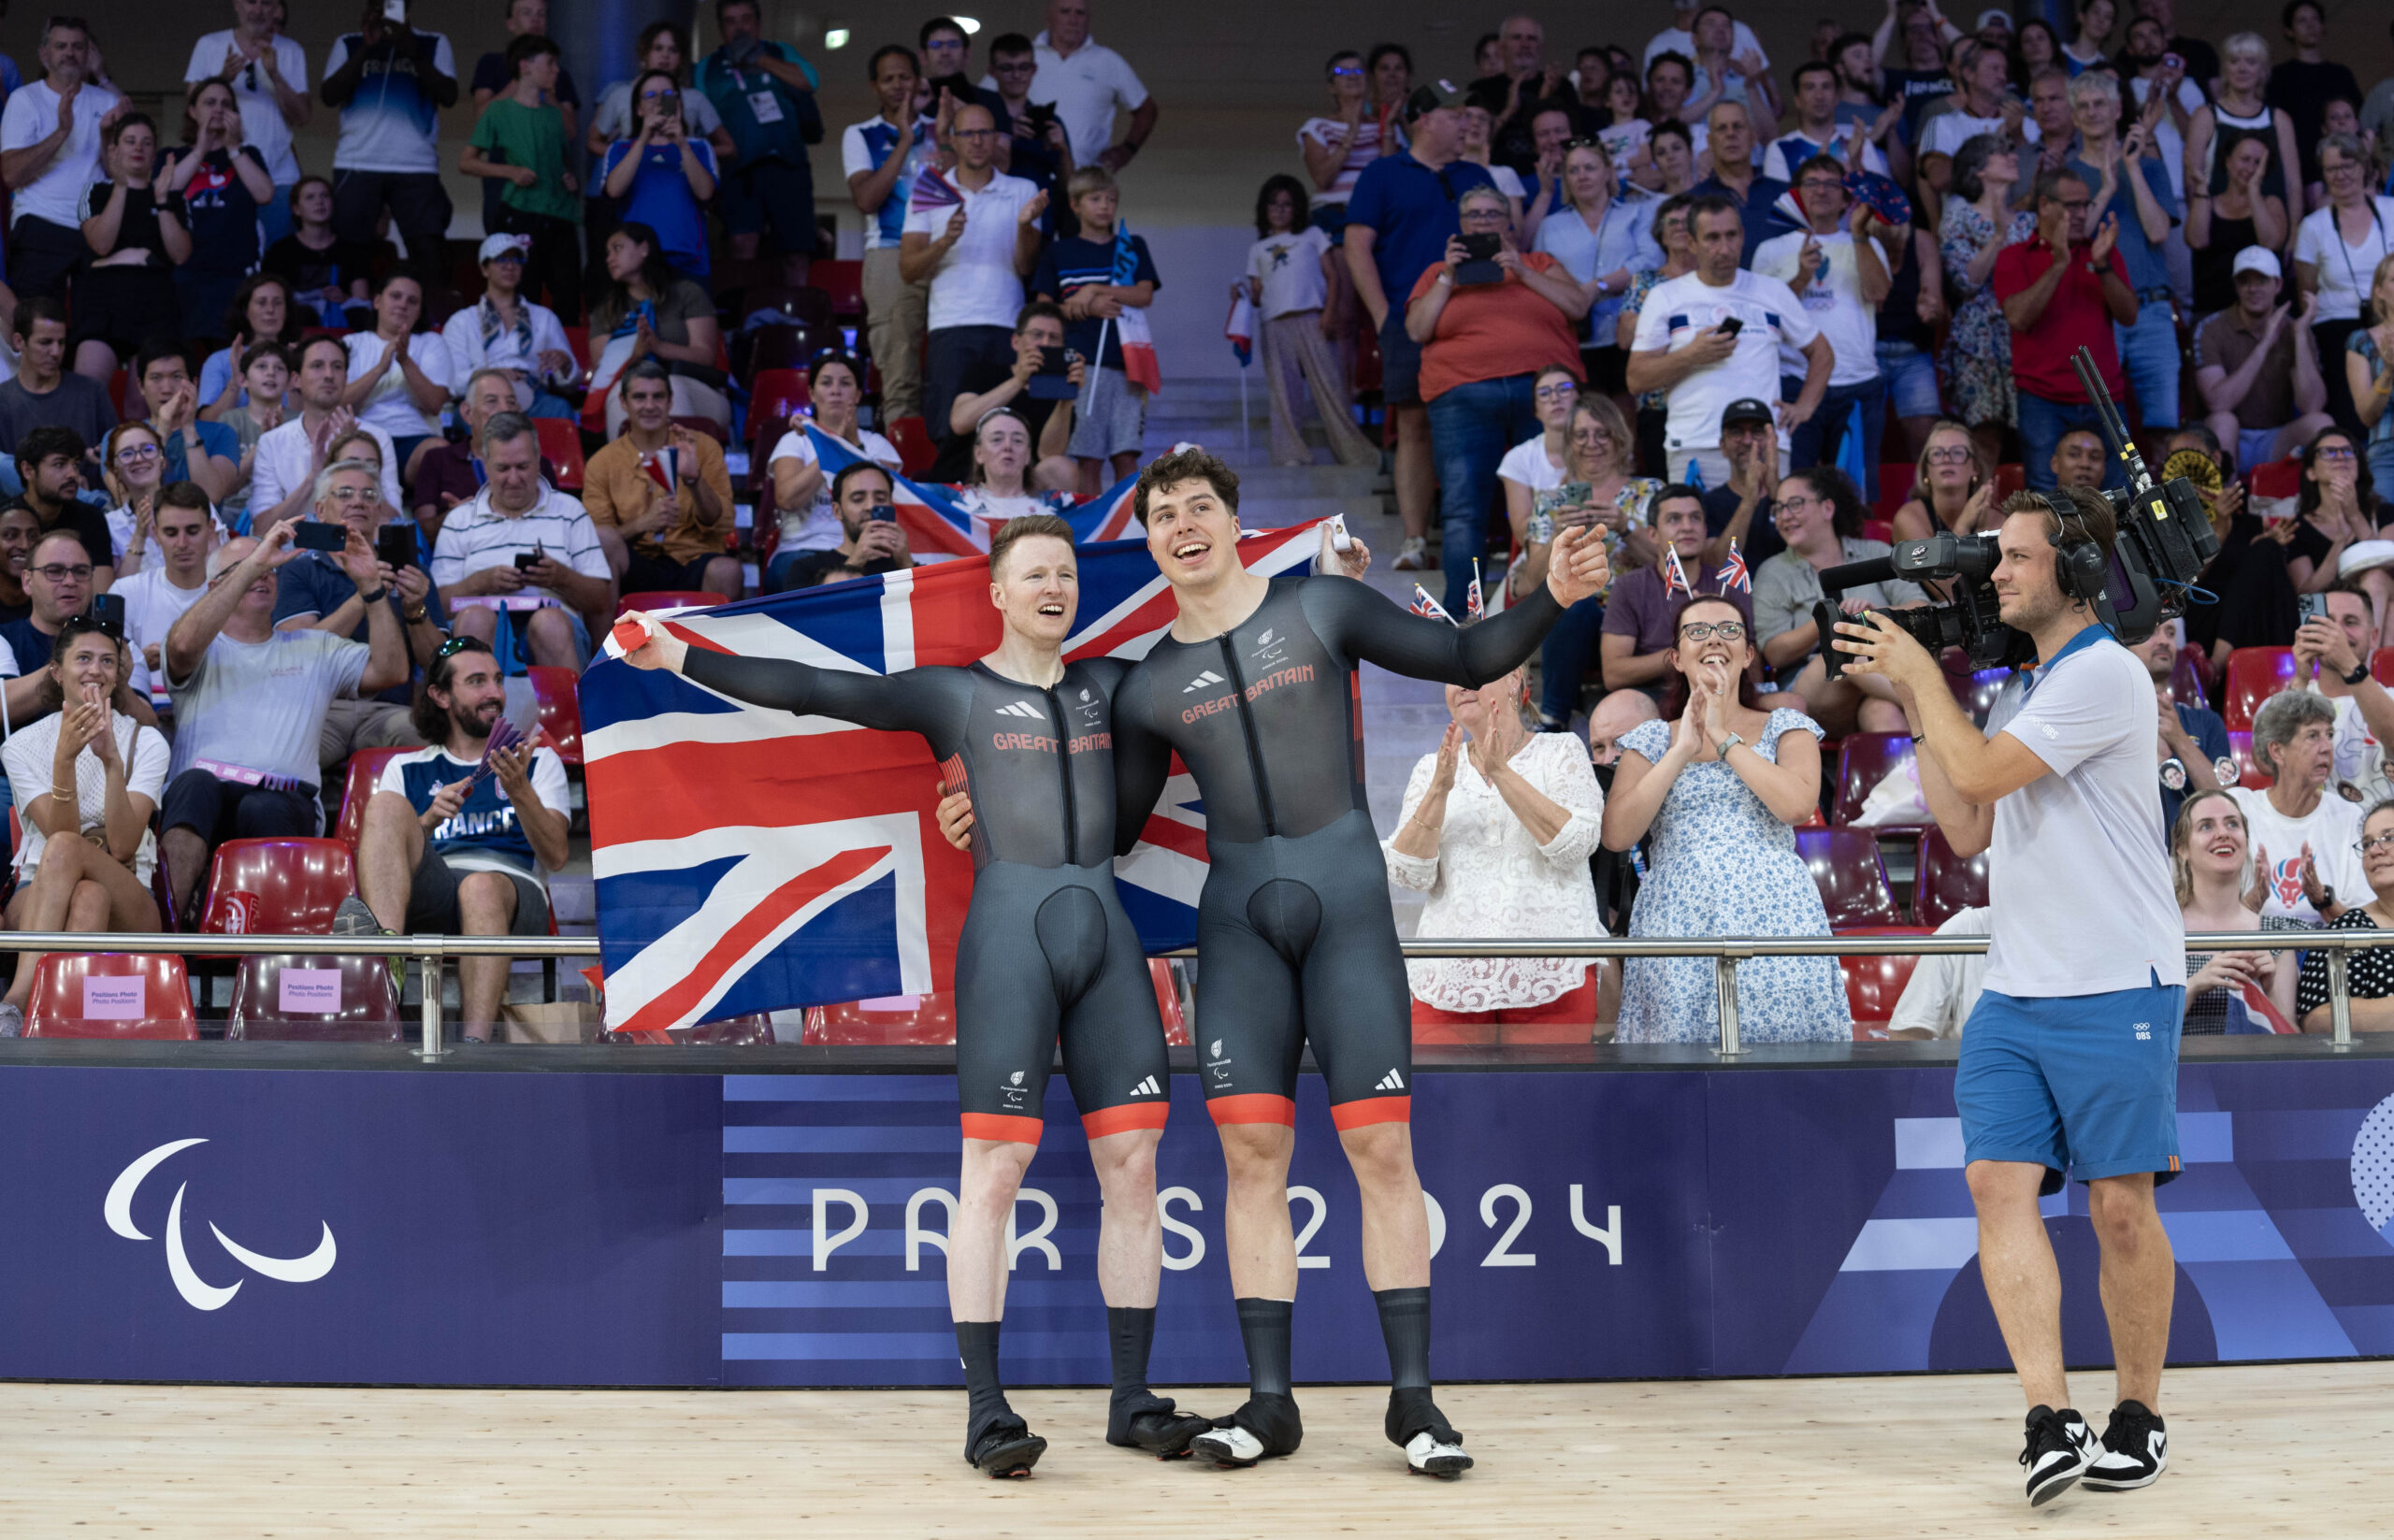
1946 133
2360 758
1623 140
2331 829
2168 142
885 224
817 526
262 126
153 555
388 407
1680 307
1680 41
2344 270
975 283
30 757
389 124
1943 991
152 604
1084 90
2079 875
1289 268
285 462
1834 303
1525 465
32 116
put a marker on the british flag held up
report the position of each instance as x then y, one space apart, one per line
937 524
751 860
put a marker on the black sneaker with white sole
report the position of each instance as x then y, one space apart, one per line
2060 1447
1267 1425
2136 1450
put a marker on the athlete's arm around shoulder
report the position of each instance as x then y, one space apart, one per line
919 700
1358 623
1142 756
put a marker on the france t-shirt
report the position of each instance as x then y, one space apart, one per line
484 835
391 124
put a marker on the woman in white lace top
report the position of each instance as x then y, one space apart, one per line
1498 826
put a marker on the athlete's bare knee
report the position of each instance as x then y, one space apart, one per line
1257 1152
1126 1166
1381 1154
993 1173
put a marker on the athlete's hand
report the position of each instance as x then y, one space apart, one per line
1576 565
956 817
662 650
1353 562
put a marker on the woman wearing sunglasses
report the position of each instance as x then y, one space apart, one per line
1720 792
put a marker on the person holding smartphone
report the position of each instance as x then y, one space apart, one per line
873 540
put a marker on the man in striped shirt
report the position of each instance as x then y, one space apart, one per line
523 547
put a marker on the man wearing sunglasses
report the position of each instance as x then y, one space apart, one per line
58 585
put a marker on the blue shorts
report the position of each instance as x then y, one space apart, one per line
2086 1084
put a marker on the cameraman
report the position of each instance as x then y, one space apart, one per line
2071 1059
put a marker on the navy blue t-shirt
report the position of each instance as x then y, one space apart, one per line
314 584
215 437
484 834
1411 211
1075 264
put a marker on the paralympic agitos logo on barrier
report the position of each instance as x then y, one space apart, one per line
196 1291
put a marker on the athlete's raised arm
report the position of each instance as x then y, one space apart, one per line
1365 624
912 700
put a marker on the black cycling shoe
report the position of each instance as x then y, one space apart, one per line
1007 1448
1267 1425
1148 1422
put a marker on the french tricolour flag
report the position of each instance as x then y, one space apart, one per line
937 524
751 860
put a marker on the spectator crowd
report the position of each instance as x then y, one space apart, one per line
287 481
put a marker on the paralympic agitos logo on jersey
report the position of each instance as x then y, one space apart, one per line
1300 673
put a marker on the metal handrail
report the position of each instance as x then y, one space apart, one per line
1724 951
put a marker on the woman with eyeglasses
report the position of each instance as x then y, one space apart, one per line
662 178
1598 488
2368 974
124 292
1601 242
1978 221
2336 252
87 777
646 310
1337 147
1537 463
328 275
2220 886
1718 792
135 471
1953 486
801 491
2337 508
659 51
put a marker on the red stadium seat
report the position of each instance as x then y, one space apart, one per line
367 1007
2008 478
1874 984
656 600
911 437
706 427
1863 760
577 341
2190 677
2277 478
1878 529
365 769
1895 479
553 691
1946 884
791 347
1853 882
2381 665
2253 675
61 1000
271 887
925 1021
844 281
772 397
561 446
1176 1021
2248 769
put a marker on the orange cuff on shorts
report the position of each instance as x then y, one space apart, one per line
1254 1108
998 1126
1372 1109
1122 1119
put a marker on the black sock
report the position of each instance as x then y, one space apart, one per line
1133 1333
1263 1327
976 1344
1405 1323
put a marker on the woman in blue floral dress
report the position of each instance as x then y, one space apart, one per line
1720 789
1978 224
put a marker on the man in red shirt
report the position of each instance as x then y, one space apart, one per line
2060 291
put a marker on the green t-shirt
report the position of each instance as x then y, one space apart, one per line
533 136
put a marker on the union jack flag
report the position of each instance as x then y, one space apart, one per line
751 860
937 523
1733 576
1673 575
1425 605
1473 610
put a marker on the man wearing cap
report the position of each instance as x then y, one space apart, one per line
503 330
1994 28
1402 211
1742 509
2258 369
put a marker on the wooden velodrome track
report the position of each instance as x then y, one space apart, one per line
2293 1449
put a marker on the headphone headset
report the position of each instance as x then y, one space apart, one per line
2080 567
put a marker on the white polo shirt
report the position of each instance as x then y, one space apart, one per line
1835 304
286 461
1084 90
32 116
1680 307
975 283
2079 876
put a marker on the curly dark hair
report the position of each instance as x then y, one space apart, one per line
1184 465
1283 182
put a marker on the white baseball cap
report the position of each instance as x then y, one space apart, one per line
2257 259
498 245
